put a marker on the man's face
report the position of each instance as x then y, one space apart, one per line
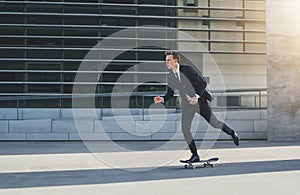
171 62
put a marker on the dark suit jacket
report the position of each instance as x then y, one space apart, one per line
191 83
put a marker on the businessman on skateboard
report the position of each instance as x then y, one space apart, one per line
191 87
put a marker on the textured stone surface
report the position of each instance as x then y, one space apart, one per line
283 45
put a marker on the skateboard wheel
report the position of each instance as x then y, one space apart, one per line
185 166
194 167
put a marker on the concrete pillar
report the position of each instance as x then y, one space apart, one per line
283 54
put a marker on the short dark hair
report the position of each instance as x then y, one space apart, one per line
174 54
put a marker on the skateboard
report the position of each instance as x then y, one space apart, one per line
205 163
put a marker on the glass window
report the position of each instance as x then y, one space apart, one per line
12 30
190 2
171 2
12 53
51 102
47 88
151 21
8 41
118 10
69 77
44 54
105 32
119 1
50 8
71 65
43 66
81 1
11 76
67 89
11 7
81 32
117 66
8 103
11 65
154 2
128 55
44 77
12 19
150 55
81 20
87 9
37 31
48 42
75 54
77 42
11 88
35 19
151 12
118 21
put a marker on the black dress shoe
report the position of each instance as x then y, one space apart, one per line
235 138
194 158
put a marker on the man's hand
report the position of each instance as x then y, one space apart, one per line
193 101
158 99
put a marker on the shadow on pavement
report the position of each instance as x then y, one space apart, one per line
106 176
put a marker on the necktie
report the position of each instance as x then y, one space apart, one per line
187 96
177 76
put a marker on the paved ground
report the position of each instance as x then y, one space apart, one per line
256 167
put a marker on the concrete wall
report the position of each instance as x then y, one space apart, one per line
283 54
60 125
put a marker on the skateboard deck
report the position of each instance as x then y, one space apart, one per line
205 163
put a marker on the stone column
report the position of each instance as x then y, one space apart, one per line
283 54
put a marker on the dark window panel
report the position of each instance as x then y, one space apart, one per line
5 41
118 10
37 31
46 88
11 76
48 42
44 77
71 65
81 32
75 54
11 65
40 103
119 1
10 88
44 66
82 1
36 19
154 2
86 9
45 9
44 54
12 53
8 103
11 7
81 20
12 30
118 21
151 21
11 19
80 42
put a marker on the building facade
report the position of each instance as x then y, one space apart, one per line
44 43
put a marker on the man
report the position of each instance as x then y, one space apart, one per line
191 87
